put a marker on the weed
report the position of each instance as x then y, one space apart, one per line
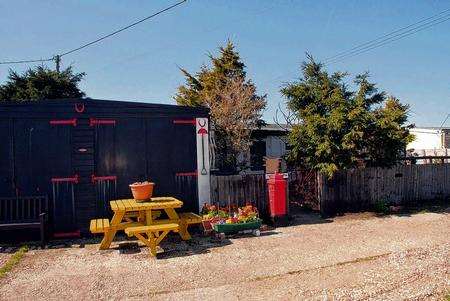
15 259
381 206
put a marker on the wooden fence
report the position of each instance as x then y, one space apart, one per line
239 190
302 190
360 189
252 188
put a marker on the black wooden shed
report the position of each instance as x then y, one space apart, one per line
81 153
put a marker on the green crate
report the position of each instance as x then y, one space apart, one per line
234 228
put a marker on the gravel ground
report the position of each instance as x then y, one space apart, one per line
4 258
355 257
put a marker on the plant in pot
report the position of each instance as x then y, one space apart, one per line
142 191
212 214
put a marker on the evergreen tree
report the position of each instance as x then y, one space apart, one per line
41 83
339 128
235 107
227 65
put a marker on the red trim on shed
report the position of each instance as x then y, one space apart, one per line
79 107
73 179
67 234
184 121
64 122
95 178
187 174
94 121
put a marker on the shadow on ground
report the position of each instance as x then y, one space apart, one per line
439 208
172 245
307 218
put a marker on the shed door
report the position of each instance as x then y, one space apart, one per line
6 159
138 149
177 157
120 159
42 152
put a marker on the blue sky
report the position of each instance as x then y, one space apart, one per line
271 36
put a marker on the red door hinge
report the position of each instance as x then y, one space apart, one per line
94 121
95 178
187 174
184 121
73 234
75 179
64 122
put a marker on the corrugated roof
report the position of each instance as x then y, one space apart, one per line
274 127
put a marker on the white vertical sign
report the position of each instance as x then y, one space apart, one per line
203 164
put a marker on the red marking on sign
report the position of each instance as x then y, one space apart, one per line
64 122
184 121
93 121
202 131
73 179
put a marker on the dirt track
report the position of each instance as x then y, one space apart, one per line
356 257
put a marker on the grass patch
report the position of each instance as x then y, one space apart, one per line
14 260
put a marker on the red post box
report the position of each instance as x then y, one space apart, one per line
277 195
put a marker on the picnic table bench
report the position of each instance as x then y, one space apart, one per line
141 219
155 233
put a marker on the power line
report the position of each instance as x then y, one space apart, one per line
385 35
25 61
122 29
372 45
57 58
389 40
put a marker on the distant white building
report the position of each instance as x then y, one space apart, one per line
429 138
429 142
269 141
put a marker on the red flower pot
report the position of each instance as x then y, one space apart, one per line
142 191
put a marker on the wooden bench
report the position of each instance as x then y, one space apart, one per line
155 234
24 213
99 225
186 219
190 218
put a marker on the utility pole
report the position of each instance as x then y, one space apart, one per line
57 59
443 122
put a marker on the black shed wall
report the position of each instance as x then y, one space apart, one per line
82 153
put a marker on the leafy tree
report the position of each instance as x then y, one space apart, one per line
339 128
233 102
41 83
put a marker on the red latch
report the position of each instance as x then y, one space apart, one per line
75 179
187 174
93 121
95 178
184 121
64 122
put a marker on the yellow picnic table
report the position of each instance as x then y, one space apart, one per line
141 218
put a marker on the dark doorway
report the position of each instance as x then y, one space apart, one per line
257 154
